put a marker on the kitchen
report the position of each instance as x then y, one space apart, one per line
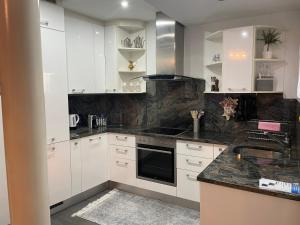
147 107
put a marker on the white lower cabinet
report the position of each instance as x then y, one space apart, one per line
187 185
59 175
94 161
123 171
76 167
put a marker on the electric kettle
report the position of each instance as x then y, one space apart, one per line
74 120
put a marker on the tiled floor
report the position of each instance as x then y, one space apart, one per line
64 217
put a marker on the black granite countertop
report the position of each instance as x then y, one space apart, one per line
206 137
244 173
227 170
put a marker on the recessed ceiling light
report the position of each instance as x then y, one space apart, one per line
124 4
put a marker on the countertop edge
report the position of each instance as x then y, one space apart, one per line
277 194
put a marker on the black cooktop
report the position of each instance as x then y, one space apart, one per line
163 130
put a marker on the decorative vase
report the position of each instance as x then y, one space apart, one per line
131 65
267 53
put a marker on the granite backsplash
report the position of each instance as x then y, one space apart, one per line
168 103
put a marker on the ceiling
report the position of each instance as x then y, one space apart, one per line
205 11
111 9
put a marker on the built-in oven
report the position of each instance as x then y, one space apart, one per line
156 159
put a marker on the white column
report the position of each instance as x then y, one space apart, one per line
23 112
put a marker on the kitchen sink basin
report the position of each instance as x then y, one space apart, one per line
257 152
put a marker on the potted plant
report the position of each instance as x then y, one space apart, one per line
270 37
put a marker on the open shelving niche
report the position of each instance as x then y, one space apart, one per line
129 81
213 44
276 65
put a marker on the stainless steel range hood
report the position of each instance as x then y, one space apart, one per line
169 49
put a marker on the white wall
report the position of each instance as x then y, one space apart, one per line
289 21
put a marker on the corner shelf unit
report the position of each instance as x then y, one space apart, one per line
121 54
213 44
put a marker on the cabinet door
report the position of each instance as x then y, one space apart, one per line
238 59
76 167
112 75
52 16
55 85
99 58
59 174
123 171
94 161
187 185
80 55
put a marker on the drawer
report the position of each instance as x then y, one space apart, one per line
187 185
218 149
122 152
195 149
123 171
122 140
196 164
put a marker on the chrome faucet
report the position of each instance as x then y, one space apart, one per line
284 143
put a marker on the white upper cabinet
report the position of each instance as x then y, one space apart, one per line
85 55
51 16
55 85
237 68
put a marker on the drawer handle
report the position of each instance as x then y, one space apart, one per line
76 143
237 89
45 23
94 139
199 148
52 149
124 164
191 177
122 152
194 163
121 139
220 150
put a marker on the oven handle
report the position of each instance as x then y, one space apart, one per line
154 150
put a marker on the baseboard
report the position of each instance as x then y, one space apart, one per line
155 195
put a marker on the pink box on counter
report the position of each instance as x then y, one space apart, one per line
270 126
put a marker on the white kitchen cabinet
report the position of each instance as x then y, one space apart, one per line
187 185
59 174
123 171
94 157
237 70
55 85
52 16
85 55
76 167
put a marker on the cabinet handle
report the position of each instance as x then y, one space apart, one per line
122 152
124 164
76 143
194 163
52 139
199 148
44 22
121 139
94 139
53 149
220 150
191 177
237 89
83 90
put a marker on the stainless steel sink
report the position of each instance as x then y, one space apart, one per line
257 152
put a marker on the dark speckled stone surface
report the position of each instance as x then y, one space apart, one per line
229 170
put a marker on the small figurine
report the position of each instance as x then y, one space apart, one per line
229 104
131 65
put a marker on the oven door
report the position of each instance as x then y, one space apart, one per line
156 164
